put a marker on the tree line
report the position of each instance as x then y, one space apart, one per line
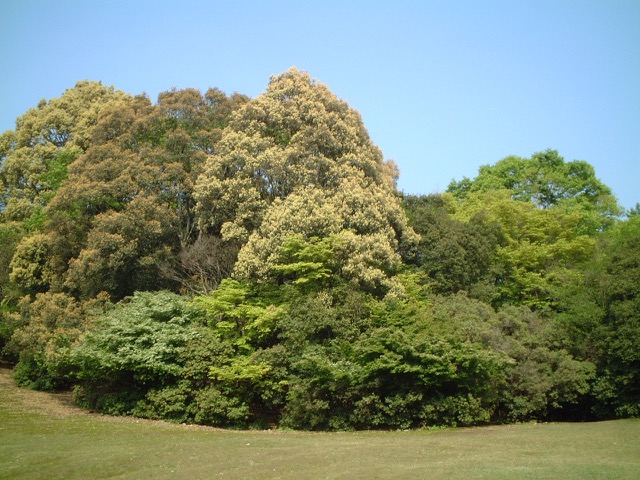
249 262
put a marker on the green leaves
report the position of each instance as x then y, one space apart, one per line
238 315
138 355
546 180
457 255
140 341
534 245
321 300
48 138
616 283
306 264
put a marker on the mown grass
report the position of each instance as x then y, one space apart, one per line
42 437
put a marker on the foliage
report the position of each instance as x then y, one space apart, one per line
298 162
538 379
404 363
543 379
615 286
319 297
123 251
306 264
547 180
133 347
10 235
535 246
457 255
43 332
29 267
46 140
34 160
127 208
237 314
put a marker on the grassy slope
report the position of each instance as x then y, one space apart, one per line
42 436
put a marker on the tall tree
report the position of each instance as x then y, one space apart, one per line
46 140
618 287
297 161
128 205
33 164
535 246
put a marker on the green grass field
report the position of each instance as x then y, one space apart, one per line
43 436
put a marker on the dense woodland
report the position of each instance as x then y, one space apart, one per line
249 263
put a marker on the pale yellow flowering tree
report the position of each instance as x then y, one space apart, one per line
298 161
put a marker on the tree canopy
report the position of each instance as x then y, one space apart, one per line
297 161
547 180
220 260
35 156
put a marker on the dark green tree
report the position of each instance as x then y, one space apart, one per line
619 337
457 255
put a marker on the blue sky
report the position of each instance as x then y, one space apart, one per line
442 86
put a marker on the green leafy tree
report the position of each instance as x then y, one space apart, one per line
44 329
548 181
539 378
536 247
456 255
614 285
153 356
306 264
34 160
134 349
635 211
544 381
124 250
239 313
418 379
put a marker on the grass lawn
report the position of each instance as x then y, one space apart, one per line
43 436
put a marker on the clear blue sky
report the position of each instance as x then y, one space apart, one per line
443 86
